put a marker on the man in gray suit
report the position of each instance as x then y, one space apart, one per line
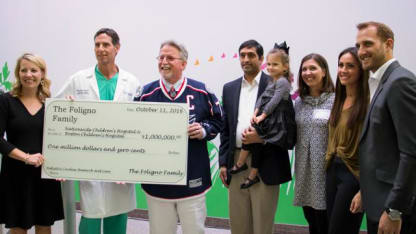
387 148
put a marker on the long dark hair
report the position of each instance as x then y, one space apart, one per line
327 85
360 105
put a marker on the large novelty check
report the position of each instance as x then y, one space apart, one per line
136 142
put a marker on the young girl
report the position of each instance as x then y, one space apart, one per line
265 114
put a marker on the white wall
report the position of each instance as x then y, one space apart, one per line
62 31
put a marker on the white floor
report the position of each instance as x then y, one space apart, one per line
134 226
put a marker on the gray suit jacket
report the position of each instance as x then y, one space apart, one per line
387 148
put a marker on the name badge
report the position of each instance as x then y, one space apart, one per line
321 114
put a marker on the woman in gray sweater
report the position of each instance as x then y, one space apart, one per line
312 107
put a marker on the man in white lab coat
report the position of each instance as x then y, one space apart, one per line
105 201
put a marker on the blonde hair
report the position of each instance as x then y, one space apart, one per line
44 87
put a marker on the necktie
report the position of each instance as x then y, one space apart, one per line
172 92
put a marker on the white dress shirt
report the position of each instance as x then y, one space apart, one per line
176 86
248 97
376 77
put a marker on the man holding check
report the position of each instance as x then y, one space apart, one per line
105 201
167 202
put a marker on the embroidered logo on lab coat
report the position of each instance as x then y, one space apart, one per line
82 91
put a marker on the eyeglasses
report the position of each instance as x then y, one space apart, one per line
168 58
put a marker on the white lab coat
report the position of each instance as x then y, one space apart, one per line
103 199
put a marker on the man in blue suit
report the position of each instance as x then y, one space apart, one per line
387 148
252 210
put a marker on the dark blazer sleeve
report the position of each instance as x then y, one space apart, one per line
5 146
214 123
402 106
225 133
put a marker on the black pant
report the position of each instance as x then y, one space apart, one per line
255 153
317 220
408 225
341 187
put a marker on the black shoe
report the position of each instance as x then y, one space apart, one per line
249 182
238 169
